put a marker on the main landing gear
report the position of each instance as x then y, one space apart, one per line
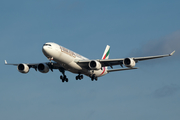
79 77
93 77
63 77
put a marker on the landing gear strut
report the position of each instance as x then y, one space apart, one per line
63 77
79 77
93 77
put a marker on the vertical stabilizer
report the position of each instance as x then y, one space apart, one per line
106 52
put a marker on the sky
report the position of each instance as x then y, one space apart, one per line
132 29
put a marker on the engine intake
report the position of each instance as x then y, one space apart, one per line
43 68
95 65
129 62
23 68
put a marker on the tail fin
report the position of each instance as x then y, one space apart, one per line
106 52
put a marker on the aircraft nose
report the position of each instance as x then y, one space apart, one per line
47 49
44 49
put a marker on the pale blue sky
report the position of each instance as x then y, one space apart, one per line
131 28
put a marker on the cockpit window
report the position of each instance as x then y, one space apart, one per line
47 44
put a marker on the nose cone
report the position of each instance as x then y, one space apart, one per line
46 51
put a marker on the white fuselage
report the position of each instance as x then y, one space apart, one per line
67 59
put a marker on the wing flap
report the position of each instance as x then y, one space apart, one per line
104 62
122 69
111 62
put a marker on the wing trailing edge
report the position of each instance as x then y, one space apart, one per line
113 70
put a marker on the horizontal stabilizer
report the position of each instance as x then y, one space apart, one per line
113 70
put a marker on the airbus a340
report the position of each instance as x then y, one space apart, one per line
64 59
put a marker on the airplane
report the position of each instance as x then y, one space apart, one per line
67 60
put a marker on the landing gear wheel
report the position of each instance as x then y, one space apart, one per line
81 76
61 77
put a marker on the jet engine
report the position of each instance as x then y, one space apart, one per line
43 68
95 65
129 62
23 68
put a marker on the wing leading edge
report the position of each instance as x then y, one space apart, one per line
51 65
153 57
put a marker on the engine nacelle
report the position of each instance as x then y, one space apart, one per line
129 62
23 68
95 65
43 68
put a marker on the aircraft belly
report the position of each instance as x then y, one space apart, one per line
64 58
67 62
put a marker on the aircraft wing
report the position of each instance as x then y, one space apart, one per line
153 57
51 65
112 62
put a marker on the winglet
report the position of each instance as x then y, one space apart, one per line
172 53
5 62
